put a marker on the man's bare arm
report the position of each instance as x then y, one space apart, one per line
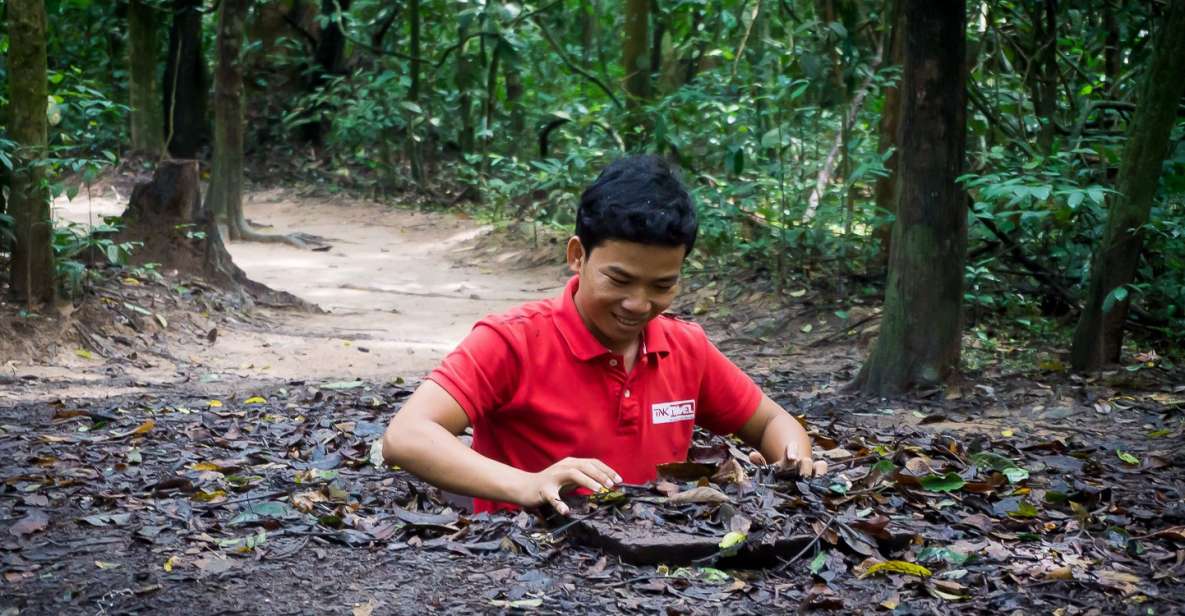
421 438
779 439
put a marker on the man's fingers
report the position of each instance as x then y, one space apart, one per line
758 459
609 473
599 472
805 468
578 477
820 468
552 495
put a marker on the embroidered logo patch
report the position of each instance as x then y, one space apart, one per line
670 412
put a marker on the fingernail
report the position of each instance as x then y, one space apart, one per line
618 479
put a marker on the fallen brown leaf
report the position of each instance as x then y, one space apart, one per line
698 495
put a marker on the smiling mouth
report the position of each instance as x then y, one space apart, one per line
628 322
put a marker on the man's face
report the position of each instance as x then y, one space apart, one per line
622 286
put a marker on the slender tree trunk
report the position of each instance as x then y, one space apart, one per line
886 187
32 267
512 73
146 118
185 102
1098 338
464 84
919 342
491 93
1111 49
414 152
1044 75
657 29
636 62
328 61
224 198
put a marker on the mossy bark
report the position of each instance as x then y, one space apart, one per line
1098 337
32 266
919 342
146 118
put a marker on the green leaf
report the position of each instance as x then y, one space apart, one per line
732 539
817 564
1118 294
1024 509
936 554
942 483
1016 474
341 385
1096 194
994 461
1127 457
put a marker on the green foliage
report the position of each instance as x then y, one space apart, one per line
76 244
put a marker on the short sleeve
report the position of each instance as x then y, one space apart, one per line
727 396
481 374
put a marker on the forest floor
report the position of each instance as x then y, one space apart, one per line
154 466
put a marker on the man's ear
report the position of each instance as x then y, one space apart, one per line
576 254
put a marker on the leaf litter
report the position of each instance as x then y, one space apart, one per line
181 503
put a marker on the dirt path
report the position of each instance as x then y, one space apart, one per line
399 289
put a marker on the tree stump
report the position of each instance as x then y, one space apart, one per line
177 231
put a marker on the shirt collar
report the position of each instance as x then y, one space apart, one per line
584 345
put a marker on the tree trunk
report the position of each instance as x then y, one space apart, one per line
491 94
185 82
511 72
921 326
224 197
657 29
414 153
146 118
1044 75
464 84
328 60
1111 51
636 62
886 187
32 266
1098 338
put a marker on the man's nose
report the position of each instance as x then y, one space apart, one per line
636 303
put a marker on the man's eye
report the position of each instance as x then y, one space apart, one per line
617 282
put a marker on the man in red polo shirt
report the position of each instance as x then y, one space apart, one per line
595 387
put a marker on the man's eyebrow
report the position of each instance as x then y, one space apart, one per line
618 271
613 269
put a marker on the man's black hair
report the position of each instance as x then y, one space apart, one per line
637 199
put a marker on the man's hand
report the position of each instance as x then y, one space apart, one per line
794 461
545 486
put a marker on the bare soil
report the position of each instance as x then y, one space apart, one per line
398 290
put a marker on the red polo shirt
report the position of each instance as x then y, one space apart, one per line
538 387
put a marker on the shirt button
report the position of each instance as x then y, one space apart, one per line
627 393
612 362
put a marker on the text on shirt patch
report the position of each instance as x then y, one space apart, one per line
670 412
